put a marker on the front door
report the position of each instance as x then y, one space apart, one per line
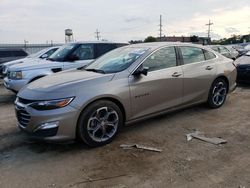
163 86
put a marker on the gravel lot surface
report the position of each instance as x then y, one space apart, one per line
26 163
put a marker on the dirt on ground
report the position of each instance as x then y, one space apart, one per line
27 163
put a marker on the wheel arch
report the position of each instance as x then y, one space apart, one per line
225 79
36 77
108 98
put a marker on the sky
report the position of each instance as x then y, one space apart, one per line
39 21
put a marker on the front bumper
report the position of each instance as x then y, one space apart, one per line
51 125
15 85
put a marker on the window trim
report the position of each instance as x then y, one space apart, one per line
210 52
181 57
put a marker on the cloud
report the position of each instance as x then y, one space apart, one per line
231 30
39 21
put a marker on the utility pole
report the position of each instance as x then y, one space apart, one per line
209 29
160 27
97 34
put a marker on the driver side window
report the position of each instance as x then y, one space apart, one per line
84 52
161 59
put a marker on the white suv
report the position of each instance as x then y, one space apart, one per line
73 55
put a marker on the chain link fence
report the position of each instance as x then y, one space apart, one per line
29 48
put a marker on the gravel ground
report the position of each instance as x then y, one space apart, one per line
25 163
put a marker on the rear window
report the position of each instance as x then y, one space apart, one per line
192 54
209 55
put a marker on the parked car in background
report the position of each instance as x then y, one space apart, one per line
225 51
243 68
233 51
123 86
10 55
42 54
73 55
240 49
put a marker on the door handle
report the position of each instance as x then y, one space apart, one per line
209 68
176 74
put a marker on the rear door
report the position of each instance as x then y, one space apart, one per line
163 86
84 54
199 72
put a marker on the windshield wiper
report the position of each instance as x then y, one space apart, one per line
96 70
50 59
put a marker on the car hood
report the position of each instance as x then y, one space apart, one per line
24 60
35 64
14 62
63 84
243 60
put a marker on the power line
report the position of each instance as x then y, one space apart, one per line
209 28
97 34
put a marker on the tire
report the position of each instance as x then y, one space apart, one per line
218 93
99 123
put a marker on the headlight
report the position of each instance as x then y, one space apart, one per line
52 104
15 75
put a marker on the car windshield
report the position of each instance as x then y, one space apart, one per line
116 60
37 54
62 52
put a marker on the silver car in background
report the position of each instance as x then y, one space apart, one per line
126 85
226 51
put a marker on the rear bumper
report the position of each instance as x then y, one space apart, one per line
232 88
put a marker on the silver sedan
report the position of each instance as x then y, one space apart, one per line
123 86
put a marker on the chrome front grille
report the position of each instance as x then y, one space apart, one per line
22 115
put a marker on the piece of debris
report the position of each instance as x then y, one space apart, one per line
137 146
99 179
200 136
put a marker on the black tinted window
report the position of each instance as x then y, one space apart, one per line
84 52
19 53
103 48
209 55
161 59
192 54
5 54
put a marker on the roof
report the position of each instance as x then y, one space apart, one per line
97 42
155 45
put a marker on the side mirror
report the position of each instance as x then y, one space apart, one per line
141 70
44 56
72 58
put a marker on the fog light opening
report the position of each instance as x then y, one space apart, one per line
49 125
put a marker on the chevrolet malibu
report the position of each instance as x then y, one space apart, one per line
126 85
